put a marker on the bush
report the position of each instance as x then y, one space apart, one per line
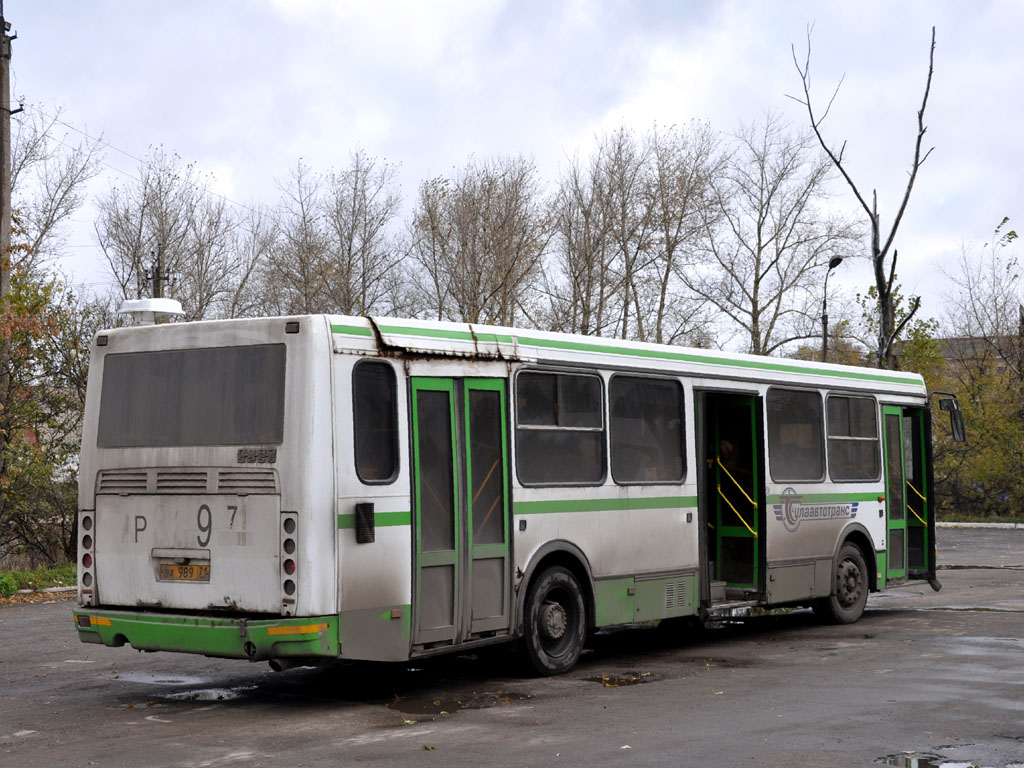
8 585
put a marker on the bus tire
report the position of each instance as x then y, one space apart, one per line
849 588
555 622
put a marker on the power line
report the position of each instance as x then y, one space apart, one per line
95 139
141 161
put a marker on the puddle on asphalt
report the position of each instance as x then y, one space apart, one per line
1006 567
443 705
912 760
143 677
975 609
207 694
626 678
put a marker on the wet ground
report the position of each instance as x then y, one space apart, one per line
923 680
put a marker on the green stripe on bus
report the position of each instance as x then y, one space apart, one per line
817 498
602 505
685 357
351 330
382 519
659 354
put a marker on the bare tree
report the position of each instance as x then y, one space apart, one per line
683 165
581 282
628 209
253 241
362 202
768 236
295 274
478 239
49 175
170 210
983 302
335 249
625 226
888 328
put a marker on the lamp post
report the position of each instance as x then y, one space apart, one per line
834 262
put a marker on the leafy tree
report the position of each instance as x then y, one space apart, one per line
984 366
48 331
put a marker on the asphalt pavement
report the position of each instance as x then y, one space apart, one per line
924 679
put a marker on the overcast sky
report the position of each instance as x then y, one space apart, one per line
245 88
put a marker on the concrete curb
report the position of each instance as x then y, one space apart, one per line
47 591
999 526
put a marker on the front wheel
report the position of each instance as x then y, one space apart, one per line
555 622
849 589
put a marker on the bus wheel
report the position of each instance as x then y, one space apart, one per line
555 622
850 589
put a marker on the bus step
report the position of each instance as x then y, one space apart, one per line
728 608
717 591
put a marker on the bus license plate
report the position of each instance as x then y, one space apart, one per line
179 572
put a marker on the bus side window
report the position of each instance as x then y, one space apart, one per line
375 435
853 438
795 436
646 430
559 429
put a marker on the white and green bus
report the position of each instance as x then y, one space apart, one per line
323 487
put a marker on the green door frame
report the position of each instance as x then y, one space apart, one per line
481 555
918 491
436 559
747 509
895 492
468 558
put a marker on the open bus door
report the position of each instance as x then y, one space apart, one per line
732 502
895 493
461 567
910 520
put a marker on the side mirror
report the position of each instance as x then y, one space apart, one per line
956 423
956 418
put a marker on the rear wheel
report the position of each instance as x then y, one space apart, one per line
849 588
555 622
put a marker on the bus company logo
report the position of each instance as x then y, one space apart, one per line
790 511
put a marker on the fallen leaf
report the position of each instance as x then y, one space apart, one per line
429 748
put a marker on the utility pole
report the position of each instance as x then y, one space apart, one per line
5 153
156 273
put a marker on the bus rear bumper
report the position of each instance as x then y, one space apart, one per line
254 639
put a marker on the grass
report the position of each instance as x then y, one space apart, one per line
38 578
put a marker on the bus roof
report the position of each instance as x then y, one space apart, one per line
447 339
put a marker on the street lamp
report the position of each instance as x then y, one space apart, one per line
834 262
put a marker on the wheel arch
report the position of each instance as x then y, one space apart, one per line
858 535
567 555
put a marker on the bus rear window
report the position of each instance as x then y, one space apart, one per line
188 397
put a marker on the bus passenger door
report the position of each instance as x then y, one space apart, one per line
920 554
735 489
895 493
460 477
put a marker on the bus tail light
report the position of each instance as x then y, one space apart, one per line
288 558
86 558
